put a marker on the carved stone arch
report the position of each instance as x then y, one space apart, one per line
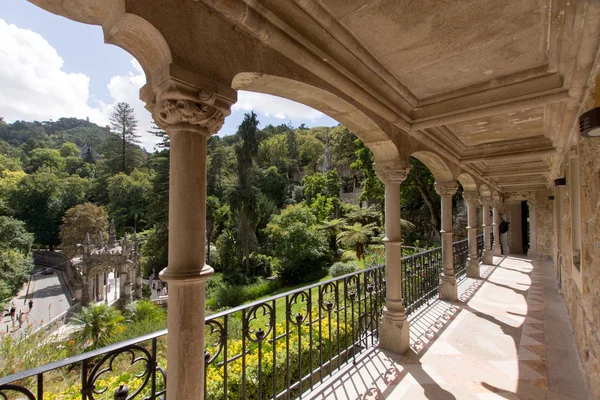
468 183
440 169
357 121
129 31
496 196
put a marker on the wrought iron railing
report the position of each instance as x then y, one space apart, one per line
420 278
480 245
275 348
135 359
461 253
282 346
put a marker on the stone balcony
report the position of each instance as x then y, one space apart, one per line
509 337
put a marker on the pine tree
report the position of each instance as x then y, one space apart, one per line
124 124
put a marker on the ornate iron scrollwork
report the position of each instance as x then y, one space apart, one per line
98 370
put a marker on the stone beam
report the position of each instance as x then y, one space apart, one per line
518 156
490 109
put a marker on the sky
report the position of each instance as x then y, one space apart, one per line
52 67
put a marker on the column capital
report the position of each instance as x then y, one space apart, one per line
485 201
443 188
497 203
470 197
181 106
392 172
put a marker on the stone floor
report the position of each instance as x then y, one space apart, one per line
508 338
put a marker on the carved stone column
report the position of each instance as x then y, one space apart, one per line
448 289
189 115
497 247
488 257
471 199
532 251
394 329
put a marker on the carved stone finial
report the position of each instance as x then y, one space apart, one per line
445 188
112 234
179 104
392 173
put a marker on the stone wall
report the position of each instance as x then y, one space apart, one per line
581 291
544 226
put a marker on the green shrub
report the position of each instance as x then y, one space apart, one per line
342 268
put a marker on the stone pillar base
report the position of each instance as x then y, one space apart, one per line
497 251
394 334
531 254
473 268
488 257
448 288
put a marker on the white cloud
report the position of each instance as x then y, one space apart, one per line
33 85
276 107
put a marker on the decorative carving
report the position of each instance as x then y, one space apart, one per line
181 104
485 201
497 203
470 197
392 174
446 188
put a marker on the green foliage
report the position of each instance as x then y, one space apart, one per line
356 235
15 267
79 221
14 235
342 268
301 249
124 125
69 149
10 163
322 207
373 189
129 198
144 310
96 324
327 184
273 183
49 158
41 199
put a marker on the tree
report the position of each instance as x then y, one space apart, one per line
327 184
356 235
124 124
144 311
418 189
373 189
79 221
14 235
301 249
129 198
96 324
244 197
50 158
37 201
69 149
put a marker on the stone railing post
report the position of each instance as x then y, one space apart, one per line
394 329
488 257
448 289
471 199
189 115
496 209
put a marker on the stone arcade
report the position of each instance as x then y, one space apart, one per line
486 94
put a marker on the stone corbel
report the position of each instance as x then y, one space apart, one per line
446 188
178 105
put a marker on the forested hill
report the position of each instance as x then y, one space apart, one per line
54 133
